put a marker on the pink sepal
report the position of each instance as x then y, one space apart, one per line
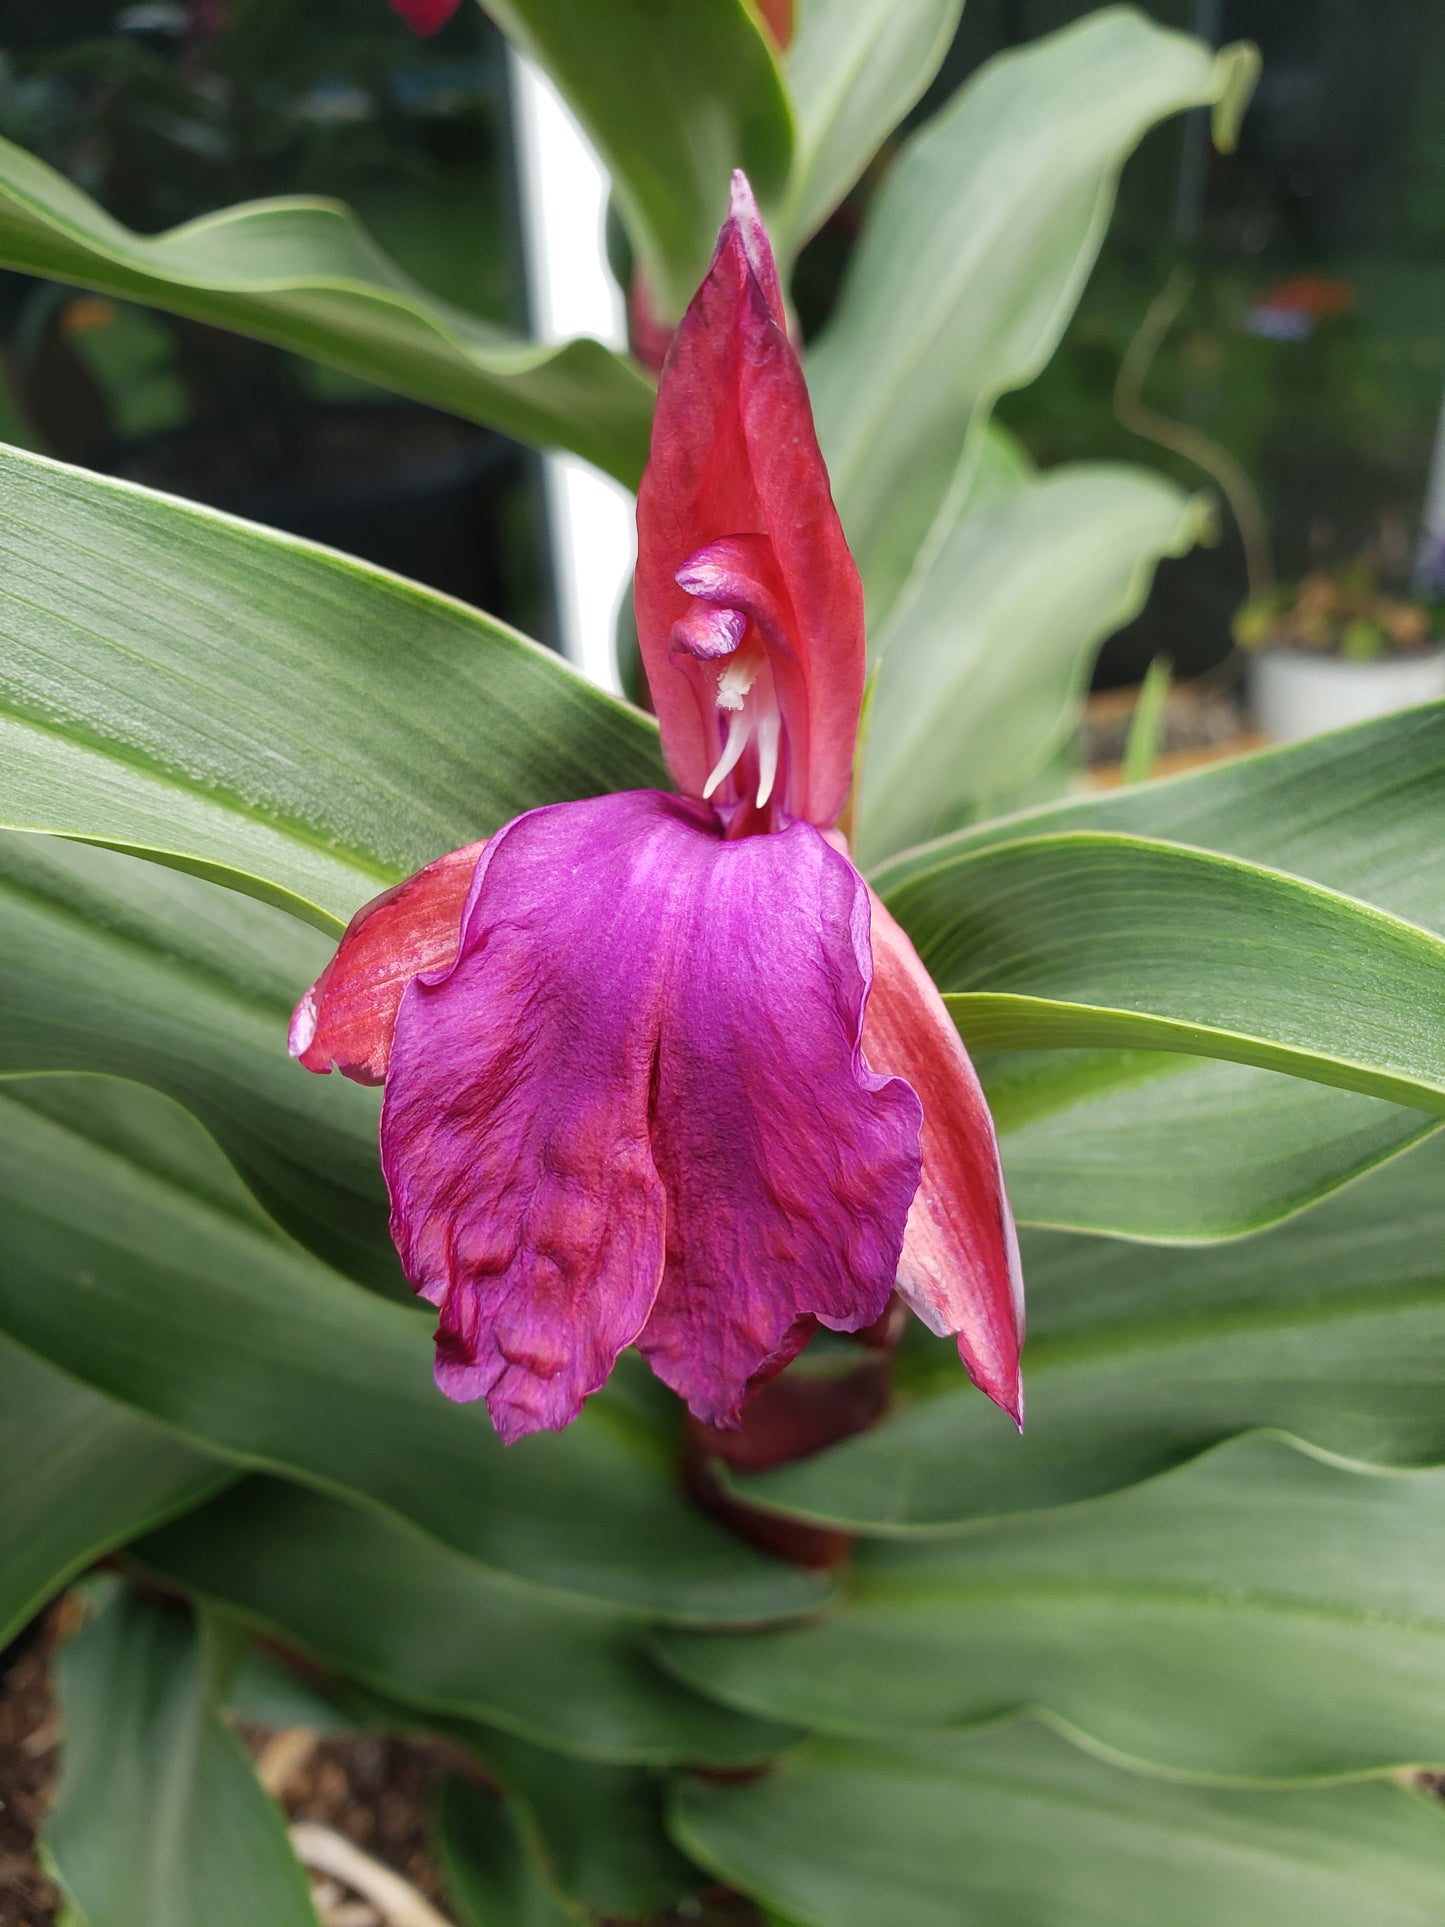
960 1268
348 1015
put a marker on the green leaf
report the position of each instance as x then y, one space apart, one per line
1015 1825
854 69
568 1833
268 1690
80 1477
306 275
1262 1613
1095 939
1100 1140
1345 810
674 95
435 1630
599 1830
983 664
1332 1325
135 1283
111 964
1143 1144
590 1834
1146 725
974 255
263 712
159 1820
490 1865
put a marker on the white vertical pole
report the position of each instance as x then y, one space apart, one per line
564 191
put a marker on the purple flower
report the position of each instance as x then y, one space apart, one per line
659 1070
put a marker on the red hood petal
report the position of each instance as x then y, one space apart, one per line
734 454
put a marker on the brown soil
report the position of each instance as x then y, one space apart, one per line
377 1791
27 1761
1201 721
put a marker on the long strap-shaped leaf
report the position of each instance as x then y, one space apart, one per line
1105 940
159 1820
1260 1614
428 1627
975 252
599 1829
284 719
1149 1144
78 1476
1014 1824
113 965
306 275
1332 1325
1355 810
854 69
121 1271
553 1836
1130 1142
982 666
494 1870
675 94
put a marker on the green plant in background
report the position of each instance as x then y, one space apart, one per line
1341 612
1165 1657
165 114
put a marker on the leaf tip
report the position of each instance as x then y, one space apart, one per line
1238 69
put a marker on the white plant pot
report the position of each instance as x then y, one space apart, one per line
1294 693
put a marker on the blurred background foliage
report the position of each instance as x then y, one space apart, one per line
1306 343
166 112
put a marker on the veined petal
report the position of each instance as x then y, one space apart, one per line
789 1165
525 1202
635 1109
735 461
347 1016
960 1270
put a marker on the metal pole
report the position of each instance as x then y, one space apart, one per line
563 192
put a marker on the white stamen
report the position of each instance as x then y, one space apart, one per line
738 678
770 731
740 731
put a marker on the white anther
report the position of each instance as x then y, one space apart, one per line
738 678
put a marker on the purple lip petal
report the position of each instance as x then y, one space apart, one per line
789 1166
960 1270
525 1202
639 1091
